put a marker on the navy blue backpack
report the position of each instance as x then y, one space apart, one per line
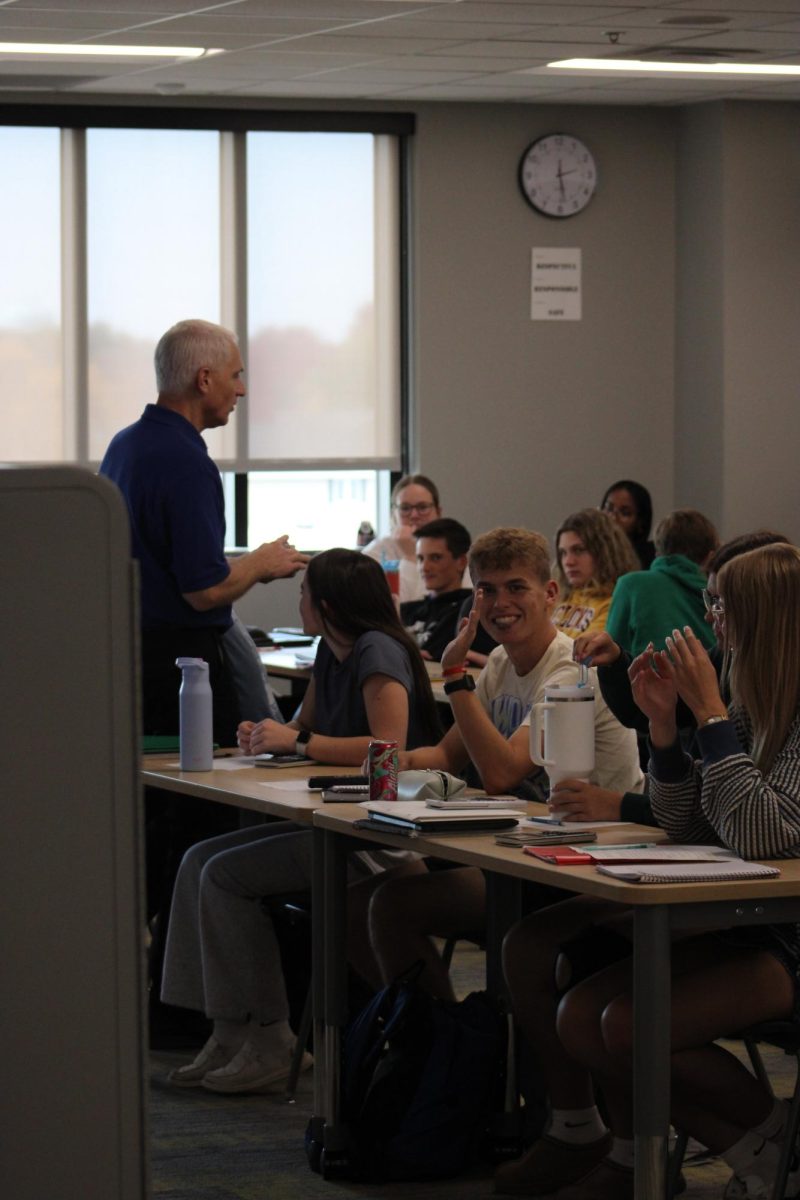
421 1078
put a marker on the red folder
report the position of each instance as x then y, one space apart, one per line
561 855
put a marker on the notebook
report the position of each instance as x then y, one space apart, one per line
687 872
416 816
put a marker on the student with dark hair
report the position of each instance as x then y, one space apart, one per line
442 547
630 505
222 956
647 605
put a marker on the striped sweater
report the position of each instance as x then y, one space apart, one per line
724 798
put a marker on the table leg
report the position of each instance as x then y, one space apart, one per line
503 909
334 959
314 1148
651 1049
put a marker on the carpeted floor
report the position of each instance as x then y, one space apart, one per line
208 1147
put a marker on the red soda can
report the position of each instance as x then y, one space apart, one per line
382 759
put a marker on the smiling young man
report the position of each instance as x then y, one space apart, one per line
442 547
514 601
515 597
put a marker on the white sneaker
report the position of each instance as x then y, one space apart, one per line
253 1070
747 1187
211 1057
753 1187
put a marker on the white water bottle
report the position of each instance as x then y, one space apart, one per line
196 726
562 732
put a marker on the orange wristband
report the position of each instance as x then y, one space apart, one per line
448 671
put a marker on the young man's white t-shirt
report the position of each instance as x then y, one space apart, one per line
508 698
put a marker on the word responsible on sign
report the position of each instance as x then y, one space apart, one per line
555 284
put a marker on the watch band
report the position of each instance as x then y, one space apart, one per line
464 683
301 741
713 720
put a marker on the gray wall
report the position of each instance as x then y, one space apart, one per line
522 422
737 418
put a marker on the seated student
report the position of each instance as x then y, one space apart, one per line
222 956
612 662
442 547
743 793
514 600
630 505
648 605
591 554
415 502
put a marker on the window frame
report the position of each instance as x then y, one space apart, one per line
233 124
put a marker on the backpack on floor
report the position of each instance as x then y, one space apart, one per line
421 1078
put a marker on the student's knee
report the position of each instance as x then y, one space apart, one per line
392 904
616 1026
578 1025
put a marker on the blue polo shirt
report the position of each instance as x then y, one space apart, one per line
174 496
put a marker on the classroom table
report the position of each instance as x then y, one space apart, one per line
285 664
658 910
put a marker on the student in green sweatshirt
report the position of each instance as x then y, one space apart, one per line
648 605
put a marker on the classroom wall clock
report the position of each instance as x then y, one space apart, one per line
558 175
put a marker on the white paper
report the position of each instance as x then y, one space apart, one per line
556 287
288 785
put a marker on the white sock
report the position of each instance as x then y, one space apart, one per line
577 1125
622 1152
752 1155
230 1033
270 1038
774 1123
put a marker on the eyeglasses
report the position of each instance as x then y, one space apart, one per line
406 510
714 604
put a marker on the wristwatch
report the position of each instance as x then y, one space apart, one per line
464 683
714 720
301 742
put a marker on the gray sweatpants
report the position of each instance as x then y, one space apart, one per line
222 955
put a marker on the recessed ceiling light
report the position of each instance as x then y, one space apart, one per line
638 67
101 50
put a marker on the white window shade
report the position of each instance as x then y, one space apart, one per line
34 425
323 300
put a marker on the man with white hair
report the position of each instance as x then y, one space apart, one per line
174 496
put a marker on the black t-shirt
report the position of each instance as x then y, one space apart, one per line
433 622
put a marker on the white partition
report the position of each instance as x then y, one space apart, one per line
72 1112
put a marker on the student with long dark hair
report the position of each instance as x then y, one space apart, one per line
630 505
222 955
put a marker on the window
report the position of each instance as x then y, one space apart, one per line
285 227
153 257
34 418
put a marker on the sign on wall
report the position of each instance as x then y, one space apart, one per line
555 284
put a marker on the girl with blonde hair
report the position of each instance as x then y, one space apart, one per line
745 794
592 551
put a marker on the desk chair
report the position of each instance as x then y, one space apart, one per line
786 1036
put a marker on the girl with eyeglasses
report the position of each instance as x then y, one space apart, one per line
743 793
415 502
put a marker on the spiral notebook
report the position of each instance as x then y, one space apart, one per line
688 872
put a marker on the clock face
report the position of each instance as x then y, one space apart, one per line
558 175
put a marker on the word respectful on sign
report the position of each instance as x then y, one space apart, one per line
555 284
